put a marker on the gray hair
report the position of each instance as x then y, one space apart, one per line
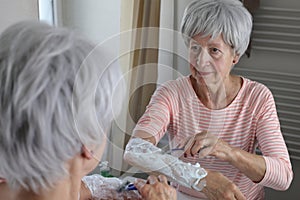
228 18
55 95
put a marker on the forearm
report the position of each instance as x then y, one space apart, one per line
274 172
149 158
145 136
252 165
99 187
85 193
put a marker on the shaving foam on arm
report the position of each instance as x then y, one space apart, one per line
150 159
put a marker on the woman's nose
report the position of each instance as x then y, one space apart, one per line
203 59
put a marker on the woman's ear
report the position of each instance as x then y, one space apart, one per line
236 59
86 153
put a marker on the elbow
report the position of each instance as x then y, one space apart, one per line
126 156
129 155
289 179
286 179
279 174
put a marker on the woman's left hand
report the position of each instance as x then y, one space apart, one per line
156 188
205 143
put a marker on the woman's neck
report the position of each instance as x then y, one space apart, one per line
67 189
217 95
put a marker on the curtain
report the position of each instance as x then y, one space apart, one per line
144 77
138 59
251 5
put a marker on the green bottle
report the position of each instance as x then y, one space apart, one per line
104 169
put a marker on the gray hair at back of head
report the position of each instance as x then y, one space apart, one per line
214 17
55 95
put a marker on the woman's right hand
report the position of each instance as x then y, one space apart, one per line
200 144
156 188
219 187
206 143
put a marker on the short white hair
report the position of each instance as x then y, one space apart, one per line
55 95
228 18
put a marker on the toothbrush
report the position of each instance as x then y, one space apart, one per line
126 186
130 186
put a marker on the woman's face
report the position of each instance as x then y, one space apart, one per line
211 60
96 152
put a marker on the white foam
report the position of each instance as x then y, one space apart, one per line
149 158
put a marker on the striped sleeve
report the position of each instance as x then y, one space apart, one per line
156 118
279 172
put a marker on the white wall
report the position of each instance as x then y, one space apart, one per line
12 11
97 19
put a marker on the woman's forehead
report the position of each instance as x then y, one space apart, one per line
208 40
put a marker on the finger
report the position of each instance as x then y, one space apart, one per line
152 179
188 147
198 145
139 184
201 142
142 187
239 195
211 140
205 151
207 147
162 179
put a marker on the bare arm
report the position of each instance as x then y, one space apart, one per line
144 135
253 166
98 187
217 185
147 157
273 169
85 193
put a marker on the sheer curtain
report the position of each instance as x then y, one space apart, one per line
139 37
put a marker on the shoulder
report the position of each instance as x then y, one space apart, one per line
256 96
176 87
255 89
179 82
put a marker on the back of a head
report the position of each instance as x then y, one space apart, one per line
55 95
214 17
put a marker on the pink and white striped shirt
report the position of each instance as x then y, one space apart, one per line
250 121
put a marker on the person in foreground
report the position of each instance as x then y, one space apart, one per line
56 108
219 119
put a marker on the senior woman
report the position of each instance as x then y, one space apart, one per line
56 106
224 116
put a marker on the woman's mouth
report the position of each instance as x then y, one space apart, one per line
203 73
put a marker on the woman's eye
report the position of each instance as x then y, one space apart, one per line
215 50
195 48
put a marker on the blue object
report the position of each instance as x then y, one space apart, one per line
130 186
